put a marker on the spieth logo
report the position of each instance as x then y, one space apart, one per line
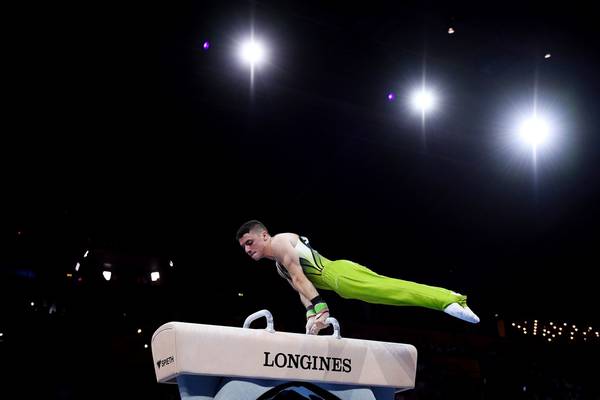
304 361
166 361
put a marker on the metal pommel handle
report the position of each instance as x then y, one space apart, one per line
262 313
336 327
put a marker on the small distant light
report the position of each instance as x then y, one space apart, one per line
534 333
549 339
106 275
572 338
170 263
495 315
585 333
544 334
560 333
551 323
553 335
391 96
590 328
77 266
145 346
519 326
513 324
535 320
206 45
32 304
565 324
524 388
69 275
86 253
450 31
560 328
1 334
241 294
573 326
576 330
139 331
548 55
154 276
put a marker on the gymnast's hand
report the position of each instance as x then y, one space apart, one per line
310 321
319 322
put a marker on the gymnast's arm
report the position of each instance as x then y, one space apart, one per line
285 254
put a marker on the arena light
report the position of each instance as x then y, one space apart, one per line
535 130
154 276
253 52
77 266
423 100
107 275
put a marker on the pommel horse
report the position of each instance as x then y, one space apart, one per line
210 362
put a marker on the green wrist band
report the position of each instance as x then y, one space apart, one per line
310 313
320 307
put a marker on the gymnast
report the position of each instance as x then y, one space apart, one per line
306 270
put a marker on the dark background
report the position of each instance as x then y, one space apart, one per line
122 136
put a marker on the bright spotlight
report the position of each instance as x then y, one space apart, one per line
423 100
534 130
106 275
154 276
253 52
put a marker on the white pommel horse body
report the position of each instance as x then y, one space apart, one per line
222 362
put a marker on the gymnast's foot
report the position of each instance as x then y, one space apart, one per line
462 312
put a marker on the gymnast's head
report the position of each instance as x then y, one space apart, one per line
253 237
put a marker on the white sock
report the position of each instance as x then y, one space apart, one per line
460 312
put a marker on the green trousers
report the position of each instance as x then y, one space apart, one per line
354 281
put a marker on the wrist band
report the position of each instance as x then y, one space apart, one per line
316 300
310 313
320 307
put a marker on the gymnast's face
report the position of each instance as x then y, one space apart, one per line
254 243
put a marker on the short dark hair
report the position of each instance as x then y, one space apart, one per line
249 226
